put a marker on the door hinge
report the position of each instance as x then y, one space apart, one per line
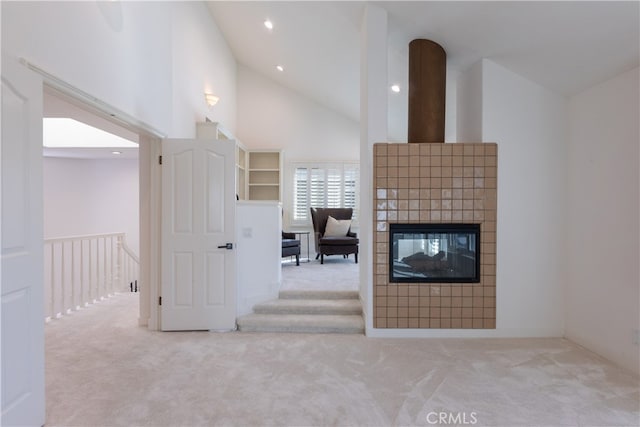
159 160
159 300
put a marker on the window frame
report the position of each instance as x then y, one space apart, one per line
343 167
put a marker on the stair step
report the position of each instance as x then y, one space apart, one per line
299 323
309 306
310 294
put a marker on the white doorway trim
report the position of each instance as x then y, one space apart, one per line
150 180
149 184
89 102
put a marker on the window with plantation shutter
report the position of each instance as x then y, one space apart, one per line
324 185
301 192
317 196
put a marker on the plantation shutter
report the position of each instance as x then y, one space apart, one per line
324 186
301 194
351 176
334 188
318 197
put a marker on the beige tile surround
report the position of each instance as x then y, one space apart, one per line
435 183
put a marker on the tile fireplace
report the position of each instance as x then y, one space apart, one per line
435 235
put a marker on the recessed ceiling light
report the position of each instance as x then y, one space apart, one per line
268 24
279 68
116 152
395 88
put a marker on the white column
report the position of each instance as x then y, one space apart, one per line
373 128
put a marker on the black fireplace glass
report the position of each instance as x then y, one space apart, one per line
431 253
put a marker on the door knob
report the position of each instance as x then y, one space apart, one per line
226 246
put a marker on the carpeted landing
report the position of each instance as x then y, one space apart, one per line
104 370
336 274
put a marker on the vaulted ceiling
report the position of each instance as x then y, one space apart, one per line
564 46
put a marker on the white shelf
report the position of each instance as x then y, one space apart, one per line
264 178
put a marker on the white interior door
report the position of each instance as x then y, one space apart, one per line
198 221
22 247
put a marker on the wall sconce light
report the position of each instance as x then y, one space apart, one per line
211 99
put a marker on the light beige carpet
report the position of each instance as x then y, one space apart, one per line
103 370
336 274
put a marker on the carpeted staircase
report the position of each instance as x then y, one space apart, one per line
301 311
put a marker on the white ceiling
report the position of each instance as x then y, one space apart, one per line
564 46
89 135
59 132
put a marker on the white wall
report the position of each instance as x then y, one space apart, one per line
272 116
528 123
259 250
152 60
202 62
469 102
374 110
91 197
602 293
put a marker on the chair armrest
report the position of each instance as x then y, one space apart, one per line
352 234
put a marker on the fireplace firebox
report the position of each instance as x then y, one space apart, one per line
442 253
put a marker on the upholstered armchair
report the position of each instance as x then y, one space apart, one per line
332 232
290 246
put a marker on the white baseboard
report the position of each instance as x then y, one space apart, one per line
463 333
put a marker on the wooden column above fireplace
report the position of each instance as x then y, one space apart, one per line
427 83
